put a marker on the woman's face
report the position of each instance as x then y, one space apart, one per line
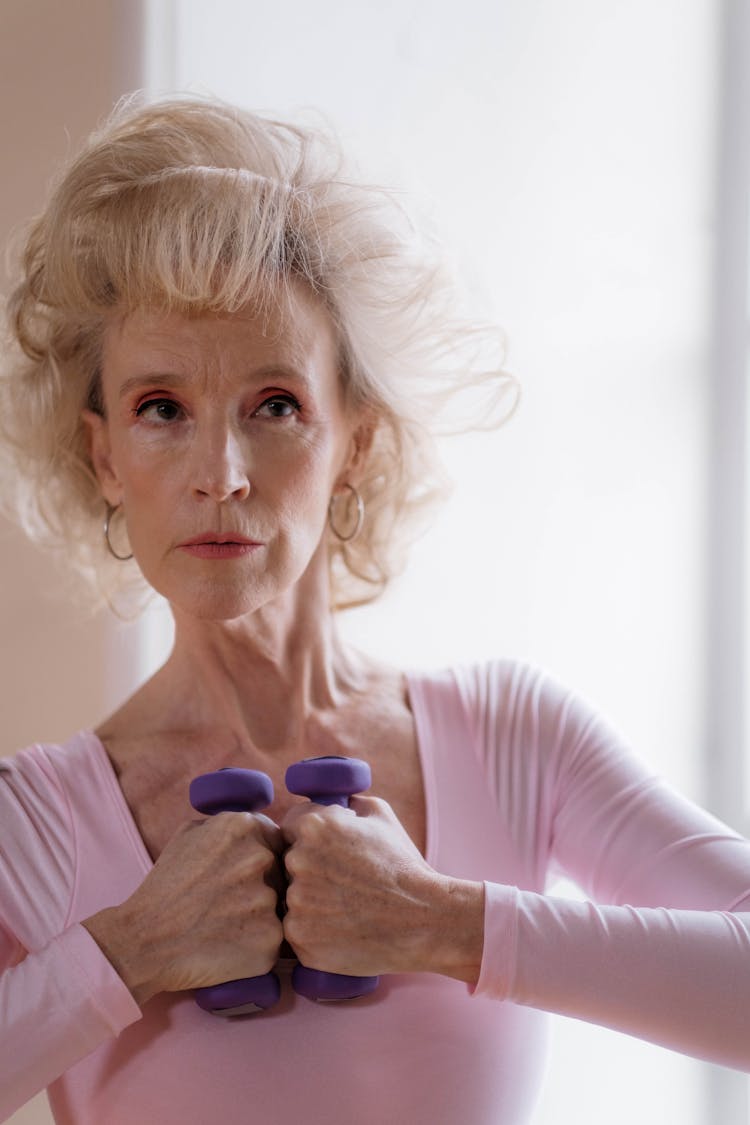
224 439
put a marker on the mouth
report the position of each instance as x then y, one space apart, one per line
219 545
220 539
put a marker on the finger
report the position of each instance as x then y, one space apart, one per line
247 824
293 823
271 832
289 824
370 806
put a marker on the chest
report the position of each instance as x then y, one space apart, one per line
155 774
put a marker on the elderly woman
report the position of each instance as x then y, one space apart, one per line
227 362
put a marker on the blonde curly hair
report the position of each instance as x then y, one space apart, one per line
196 206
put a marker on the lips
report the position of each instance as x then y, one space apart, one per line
220 537
219 545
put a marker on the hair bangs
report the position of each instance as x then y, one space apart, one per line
192 239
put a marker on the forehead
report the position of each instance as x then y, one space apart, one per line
295 332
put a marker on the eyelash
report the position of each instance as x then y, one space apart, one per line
287 399
144 406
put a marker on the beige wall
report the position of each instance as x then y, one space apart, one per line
62 64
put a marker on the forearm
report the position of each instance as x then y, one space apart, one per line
679 978
448 929
56 1006
129 951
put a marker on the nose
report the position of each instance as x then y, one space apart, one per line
221 469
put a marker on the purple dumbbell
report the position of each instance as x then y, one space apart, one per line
329 781
235 790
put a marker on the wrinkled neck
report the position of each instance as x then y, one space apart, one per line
263 675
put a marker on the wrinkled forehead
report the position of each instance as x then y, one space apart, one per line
294 332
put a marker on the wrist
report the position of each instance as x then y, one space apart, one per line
118 939
456 938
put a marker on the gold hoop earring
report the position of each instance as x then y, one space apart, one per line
110 548
347 538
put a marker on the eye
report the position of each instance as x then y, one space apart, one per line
158 410
279 406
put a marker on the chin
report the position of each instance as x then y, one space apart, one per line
222 605
228 594
216 601
217 612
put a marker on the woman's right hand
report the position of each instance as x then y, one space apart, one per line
206 912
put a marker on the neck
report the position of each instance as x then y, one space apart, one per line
262 677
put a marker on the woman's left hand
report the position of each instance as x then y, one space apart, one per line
362 900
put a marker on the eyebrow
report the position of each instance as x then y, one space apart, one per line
176 378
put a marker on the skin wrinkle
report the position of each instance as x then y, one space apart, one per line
207 366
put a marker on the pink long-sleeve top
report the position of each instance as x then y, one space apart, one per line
522 780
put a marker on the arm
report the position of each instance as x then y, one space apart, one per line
203 912
673 966
666 956
362 900
59 997
677 978
56 1006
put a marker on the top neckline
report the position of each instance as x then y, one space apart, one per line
423 734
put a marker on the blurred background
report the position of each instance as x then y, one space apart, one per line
586 162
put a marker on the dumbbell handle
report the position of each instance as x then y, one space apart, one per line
235 790
329 781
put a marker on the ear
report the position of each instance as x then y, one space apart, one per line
100 453
360 445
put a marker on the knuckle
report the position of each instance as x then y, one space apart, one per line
267 899
294 898
291 862
299 860
228 827
293 932
312 825
270 868
244 824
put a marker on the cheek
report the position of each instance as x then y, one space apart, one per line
297 507
151 502
147 467
148 495
303 482
300 506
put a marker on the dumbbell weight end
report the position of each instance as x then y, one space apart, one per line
235 790
329 781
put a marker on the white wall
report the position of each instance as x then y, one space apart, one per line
563 151
566 150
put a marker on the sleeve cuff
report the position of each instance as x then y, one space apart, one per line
498 968
107 992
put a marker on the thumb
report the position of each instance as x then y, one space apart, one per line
371 806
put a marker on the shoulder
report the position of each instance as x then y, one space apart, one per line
30 787
501 687
516 707
36 782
